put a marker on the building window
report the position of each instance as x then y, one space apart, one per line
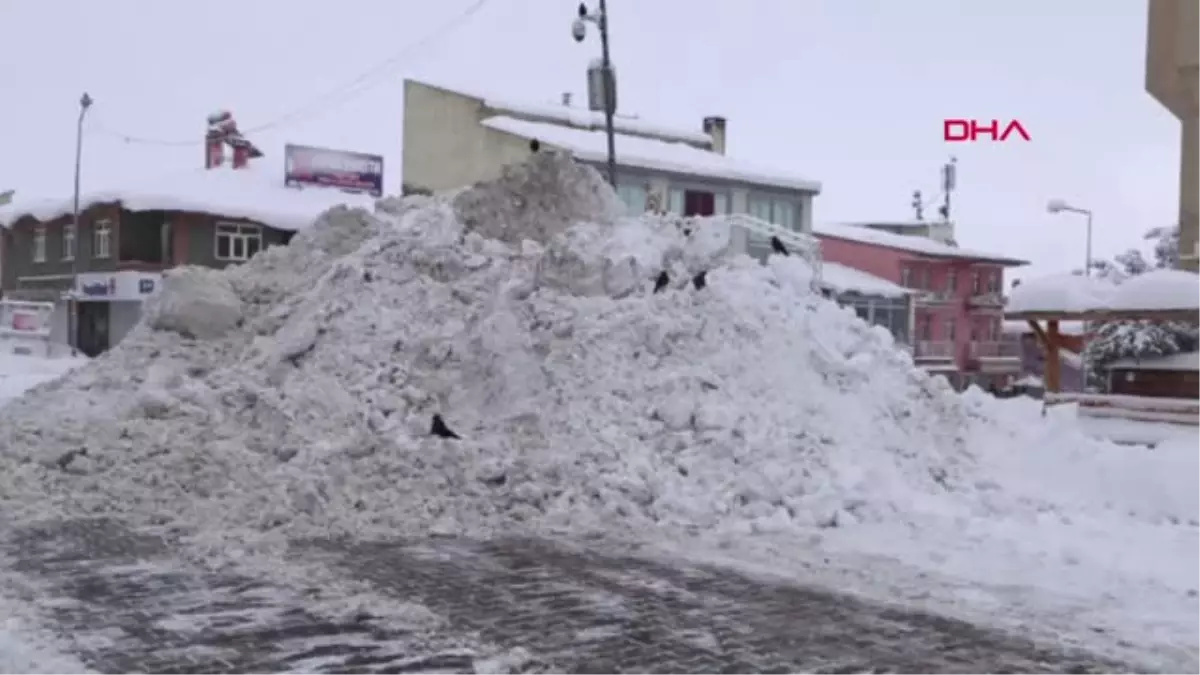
948 330
925 327
784 214
238 242
951 280
676 201
720 203
926 278
760 207
634 197
68 242
102 238
39 244
975 283
993 283
906 277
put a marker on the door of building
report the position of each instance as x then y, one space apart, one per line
92 328
698 203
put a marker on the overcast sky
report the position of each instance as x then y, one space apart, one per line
848 92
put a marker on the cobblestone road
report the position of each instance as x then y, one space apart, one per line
126 603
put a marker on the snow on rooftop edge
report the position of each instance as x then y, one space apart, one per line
903 242
646 153
841 278
573 115
252 193
1059 293
1156 290
1164 289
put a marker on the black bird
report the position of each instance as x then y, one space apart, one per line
534 145
700 280
440 429
778 247
661 281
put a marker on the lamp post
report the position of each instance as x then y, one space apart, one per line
1060 206
579 31
85 102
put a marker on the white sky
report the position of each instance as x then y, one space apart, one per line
848 92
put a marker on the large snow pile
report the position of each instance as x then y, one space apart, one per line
293 394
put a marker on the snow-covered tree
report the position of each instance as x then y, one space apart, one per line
1166 245
1123 339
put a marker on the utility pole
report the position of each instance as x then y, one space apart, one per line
85 102
579 31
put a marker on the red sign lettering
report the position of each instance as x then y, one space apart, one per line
957 131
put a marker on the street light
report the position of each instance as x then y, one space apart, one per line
85 102
1060 206
579 31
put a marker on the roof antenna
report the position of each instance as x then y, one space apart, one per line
949 183
918 206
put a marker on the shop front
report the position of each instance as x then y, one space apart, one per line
108 305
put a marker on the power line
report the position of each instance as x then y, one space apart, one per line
364 82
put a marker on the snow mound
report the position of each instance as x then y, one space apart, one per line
195 302
293 395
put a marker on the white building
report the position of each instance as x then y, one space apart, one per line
455 138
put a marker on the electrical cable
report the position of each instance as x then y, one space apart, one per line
362 83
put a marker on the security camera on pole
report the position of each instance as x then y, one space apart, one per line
608 88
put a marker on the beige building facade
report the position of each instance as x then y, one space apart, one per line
1171 78
453 138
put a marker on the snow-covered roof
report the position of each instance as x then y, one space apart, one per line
1163 290
648 153
1020 327
1066 293
912 244
1183 361
845 279
252 193
576 116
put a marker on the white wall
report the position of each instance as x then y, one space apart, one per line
122 317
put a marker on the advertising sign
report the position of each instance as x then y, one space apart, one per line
26 319
119 286
350 171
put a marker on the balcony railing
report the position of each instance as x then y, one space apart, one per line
989 300
934 349
933 297
995 350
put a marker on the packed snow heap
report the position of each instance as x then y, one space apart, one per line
293 395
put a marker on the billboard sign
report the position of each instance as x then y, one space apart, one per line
349 171
25 319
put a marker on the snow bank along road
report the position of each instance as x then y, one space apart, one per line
289 400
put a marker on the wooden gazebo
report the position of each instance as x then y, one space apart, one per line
1161 295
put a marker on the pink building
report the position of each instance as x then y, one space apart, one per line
958 308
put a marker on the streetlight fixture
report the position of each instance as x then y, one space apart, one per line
85 102
1060 206
579 32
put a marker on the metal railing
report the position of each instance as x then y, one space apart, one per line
934 349
995 349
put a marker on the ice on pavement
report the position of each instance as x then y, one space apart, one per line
292 396
24 649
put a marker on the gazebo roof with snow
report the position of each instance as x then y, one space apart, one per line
1159 294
